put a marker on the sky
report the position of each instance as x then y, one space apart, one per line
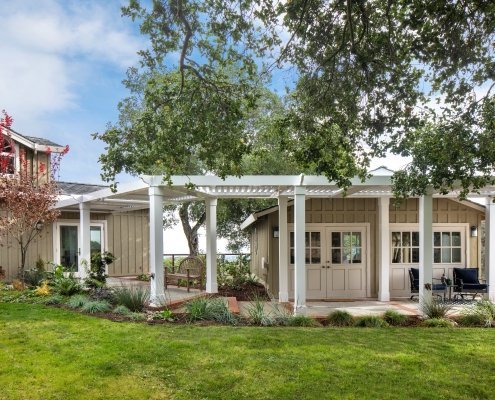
61 75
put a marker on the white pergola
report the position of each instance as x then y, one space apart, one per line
153 192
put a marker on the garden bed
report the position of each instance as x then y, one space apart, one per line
246 291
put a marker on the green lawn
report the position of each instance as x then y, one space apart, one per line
48 353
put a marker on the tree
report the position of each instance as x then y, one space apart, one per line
365 73
27 198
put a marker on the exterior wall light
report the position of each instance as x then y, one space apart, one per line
275 232
474 231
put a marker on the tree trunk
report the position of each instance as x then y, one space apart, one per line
191 232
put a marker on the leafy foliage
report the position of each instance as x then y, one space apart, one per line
438 323
210 309
340 318
94 307
97 276
433 308
394 318
482 311
77 301
370 321
134 298
257 313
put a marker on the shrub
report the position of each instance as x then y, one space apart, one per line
134 298
370 321
340 318
471 320
34 277
438 323
77 301
97 272
67 286
433 308
123 310
302 320
210 309
394 318
234 273
102 293
143 277
135 316
53 300
483 310
43 290
257 313
93 307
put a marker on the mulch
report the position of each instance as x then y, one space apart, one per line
245 292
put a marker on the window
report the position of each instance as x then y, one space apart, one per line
7 156
447 247
405 247
346 248
313 247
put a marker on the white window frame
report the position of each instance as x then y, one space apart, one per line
437 227
74 222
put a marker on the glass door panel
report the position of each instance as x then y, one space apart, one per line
96 239
69 247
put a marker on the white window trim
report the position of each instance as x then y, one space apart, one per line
437 227
73 222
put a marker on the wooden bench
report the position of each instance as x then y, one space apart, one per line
190 269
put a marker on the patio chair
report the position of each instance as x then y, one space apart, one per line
189 270
437 289
466 282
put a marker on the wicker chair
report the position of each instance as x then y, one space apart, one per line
190 269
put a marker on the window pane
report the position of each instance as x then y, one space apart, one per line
406 255
315 239
315 256
306 239
291 239
336 256
415 255
445 238
307 256
356 258
356 239
446 255
346 255
456 255
456 239
346 239
396 256
437 255
406 239
335 239
396 239
69 247
95 235
291 255
415 238
436 239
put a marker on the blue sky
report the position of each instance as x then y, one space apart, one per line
61 72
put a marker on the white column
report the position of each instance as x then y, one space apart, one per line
283 248
211 246
84 240
425 243
299 248
383 249
490 247
157 289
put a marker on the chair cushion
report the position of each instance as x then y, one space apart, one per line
468 275
474 286
415 273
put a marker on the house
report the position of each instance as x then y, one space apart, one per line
319 244
121 228
344 237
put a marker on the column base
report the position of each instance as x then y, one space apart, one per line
384 296
212 288
283 297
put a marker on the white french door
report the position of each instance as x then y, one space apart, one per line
336 261
67 246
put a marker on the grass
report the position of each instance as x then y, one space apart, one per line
51 353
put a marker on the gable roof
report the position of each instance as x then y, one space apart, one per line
35 143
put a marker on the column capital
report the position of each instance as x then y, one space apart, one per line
155 191
211 201
299 190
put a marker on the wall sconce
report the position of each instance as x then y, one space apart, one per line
39 225
474 231
275 232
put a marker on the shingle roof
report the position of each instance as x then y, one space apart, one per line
44 142
70 188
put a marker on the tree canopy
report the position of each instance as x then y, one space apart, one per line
409 77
